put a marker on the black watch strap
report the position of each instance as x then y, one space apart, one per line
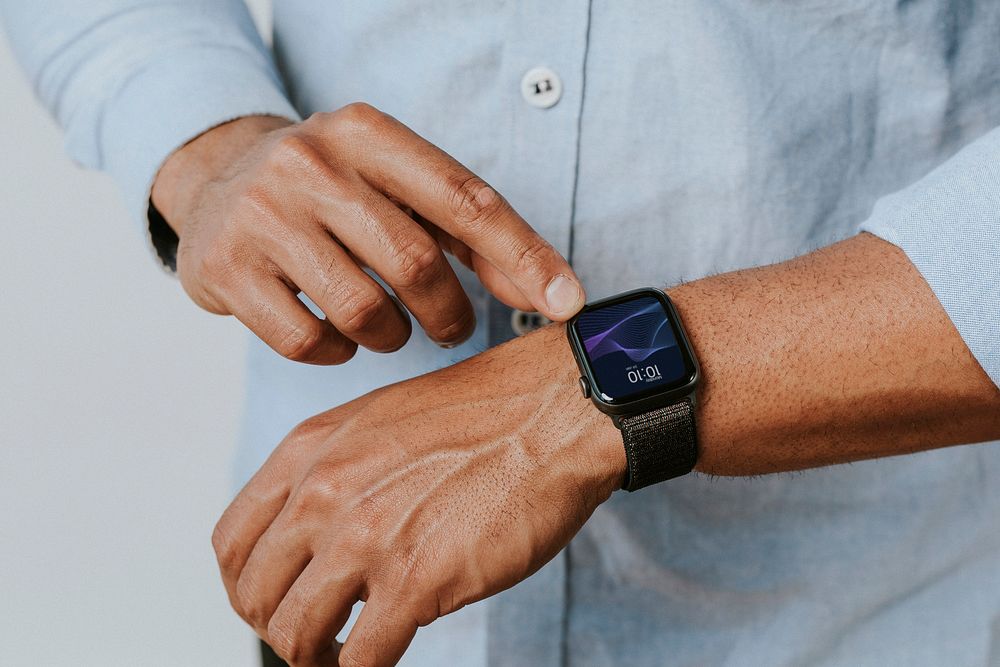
659 445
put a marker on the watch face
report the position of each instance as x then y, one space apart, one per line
631 346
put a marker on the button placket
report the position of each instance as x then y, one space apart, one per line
528 623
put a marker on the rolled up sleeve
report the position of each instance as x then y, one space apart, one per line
130 81
948 224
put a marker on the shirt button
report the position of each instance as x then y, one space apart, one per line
523 322
541 88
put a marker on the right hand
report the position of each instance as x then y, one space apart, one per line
266 208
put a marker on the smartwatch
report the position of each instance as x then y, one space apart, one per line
637 366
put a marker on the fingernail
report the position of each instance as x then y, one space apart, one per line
563 295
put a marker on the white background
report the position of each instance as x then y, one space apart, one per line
119 402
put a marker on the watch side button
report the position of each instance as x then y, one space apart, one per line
585 387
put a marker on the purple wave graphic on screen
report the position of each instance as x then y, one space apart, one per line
638 328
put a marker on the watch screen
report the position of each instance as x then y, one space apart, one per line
631 348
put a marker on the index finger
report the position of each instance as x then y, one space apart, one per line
446 193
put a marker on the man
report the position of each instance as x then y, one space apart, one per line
649 144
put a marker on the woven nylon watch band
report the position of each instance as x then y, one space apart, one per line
659 444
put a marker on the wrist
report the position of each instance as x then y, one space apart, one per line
638 367
586 438
205 158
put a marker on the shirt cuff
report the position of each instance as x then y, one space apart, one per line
948 224
171 101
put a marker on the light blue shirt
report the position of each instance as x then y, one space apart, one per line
690 137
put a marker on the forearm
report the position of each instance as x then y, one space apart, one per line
840 355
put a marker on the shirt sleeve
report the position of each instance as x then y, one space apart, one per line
130 81
948 224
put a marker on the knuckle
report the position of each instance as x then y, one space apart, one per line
359 311
471 201
319 118
356 117
360 110
224 546
295 152
253 197
254 202
309 430
417 264
319 489
220 262
301 506
301 342
254 210
296 158
281 637
531 258
207 295
248 601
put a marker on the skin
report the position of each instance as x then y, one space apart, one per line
266 208
436 492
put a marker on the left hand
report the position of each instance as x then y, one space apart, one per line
418 499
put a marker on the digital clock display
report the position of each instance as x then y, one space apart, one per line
631 348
